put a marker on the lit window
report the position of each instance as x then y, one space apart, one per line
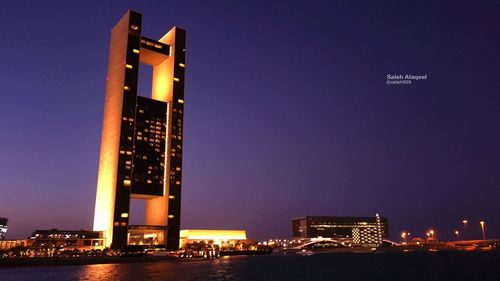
150 181
170 216
180 101
139 137
128 162
134 27
124 215
176 79
126 88
126 182
129 152
123 224
177 168
182 65
142 111
122 152
135 51
171 197
116 224
178 183
128 66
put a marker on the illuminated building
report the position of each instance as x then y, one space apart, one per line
13 243
67 239
3 228
362 231
141 144
216 237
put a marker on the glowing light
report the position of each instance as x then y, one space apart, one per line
182 65
128 66
204 234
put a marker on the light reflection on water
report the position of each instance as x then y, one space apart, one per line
339 267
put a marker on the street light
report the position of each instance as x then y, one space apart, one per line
465 222
482 228
457 234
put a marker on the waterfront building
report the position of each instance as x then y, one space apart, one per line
3 228
66 239
141 144
221 238
360 231
13 243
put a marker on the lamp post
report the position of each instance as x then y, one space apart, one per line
465 228
482 228
457 234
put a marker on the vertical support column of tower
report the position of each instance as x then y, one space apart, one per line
168 86
117 141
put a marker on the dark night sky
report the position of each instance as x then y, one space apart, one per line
287 112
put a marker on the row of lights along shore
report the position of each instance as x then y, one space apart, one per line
431 234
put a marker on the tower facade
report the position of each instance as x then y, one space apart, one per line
141 144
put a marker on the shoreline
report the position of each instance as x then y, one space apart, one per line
46 261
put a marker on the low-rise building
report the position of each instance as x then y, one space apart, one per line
222 238
67 239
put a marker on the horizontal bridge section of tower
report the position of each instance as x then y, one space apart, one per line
153 52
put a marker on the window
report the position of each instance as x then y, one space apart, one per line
170 216
182 65
180 101
176 79
126 182
171 197
134 27
126 88
124 215
135 51
128 66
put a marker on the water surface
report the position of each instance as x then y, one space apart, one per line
476 266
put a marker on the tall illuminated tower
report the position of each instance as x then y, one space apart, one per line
141 145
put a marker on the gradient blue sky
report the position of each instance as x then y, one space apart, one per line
287 112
